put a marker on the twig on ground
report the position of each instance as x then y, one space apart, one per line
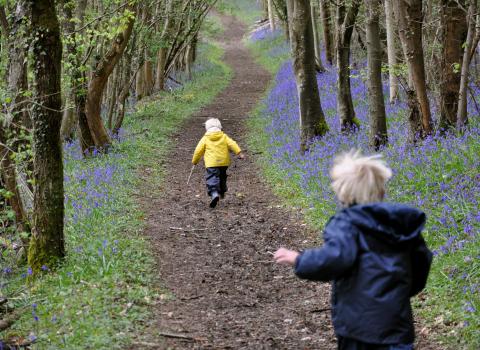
192 297
320 310
187 229
175 335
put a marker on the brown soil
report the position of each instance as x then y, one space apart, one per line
227 293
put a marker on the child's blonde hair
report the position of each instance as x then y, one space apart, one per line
213 124
358 179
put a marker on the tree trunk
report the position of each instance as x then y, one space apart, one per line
325 14
113 97
316 41
47 243
290 5
345 25
17 66
148 75
140 83
409 15
69 119
9 177
97 86
376 104
271 15
312 119
17 119
161 61
454 24
462 117
392 51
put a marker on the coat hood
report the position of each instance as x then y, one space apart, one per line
388 222
214 135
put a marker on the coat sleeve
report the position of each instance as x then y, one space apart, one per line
232 146
421 258
332 260
199 151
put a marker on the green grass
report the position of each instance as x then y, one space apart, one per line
103 293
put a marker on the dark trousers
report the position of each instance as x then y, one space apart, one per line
216 180
352 344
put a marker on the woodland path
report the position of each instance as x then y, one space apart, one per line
217 263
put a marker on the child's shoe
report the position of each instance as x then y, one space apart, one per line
215 199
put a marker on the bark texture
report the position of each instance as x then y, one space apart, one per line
316 38
98 83
312 119
462 118
376 105
325 14
409 15
271 15
47 243
345 25
454 24
392 51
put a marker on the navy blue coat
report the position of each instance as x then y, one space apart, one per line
377 259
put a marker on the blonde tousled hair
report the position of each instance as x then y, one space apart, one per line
358 179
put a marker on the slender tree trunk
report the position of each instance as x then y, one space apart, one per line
409 15
325 14
312 119
392 51
97 86
140 84
345 25
17 119
69 119
163 51
47 243
124 89
161 61
462 117
454 24
316 40
148 75
113 97
17 67
376 104
290 5
271 15
9 177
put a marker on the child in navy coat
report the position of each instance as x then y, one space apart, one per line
375 255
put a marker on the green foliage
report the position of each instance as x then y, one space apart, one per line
104 291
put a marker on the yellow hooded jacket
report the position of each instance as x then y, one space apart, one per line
215 147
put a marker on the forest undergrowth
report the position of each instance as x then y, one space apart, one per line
440 176
101 295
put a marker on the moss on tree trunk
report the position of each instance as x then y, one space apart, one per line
47 243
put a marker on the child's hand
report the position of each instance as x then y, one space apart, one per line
285 256
241 155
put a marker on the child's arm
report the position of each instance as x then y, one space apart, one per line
233 146
330 261
421 260
199 151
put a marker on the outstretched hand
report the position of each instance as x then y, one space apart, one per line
241 155
285 256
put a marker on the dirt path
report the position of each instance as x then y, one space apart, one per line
218 263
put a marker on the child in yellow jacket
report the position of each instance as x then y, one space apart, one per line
215 147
